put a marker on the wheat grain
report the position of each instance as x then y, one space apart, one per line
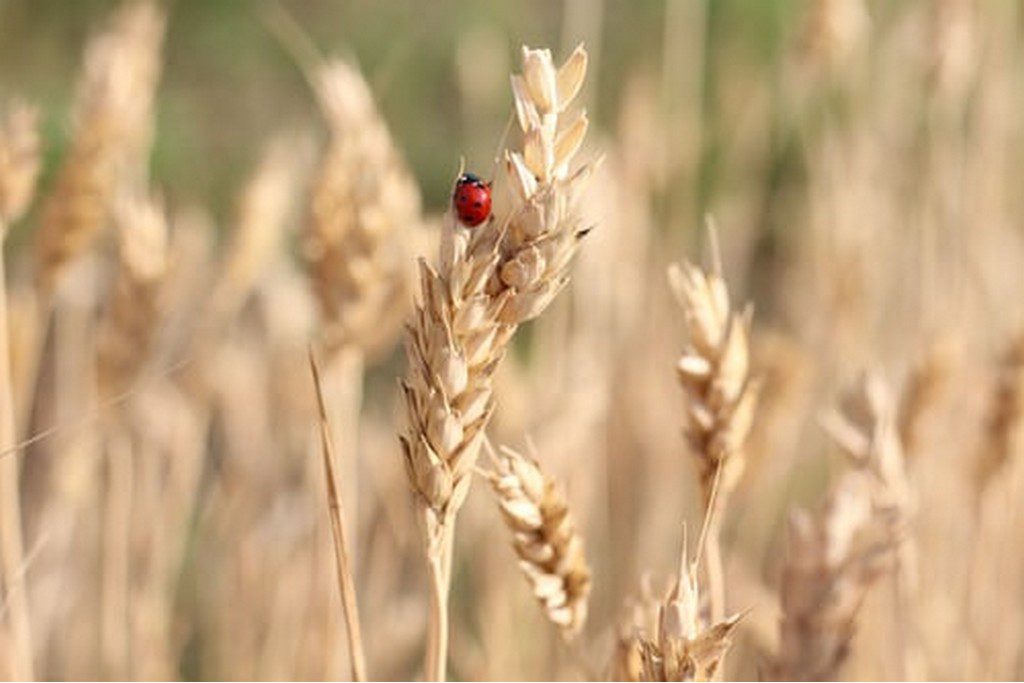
545 539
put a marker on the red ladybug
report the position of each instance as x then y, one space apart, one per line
472 199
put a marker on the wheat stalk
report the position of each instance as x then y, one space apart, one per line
544 537
721 396
19 169
346 585
487 281
113 111
831 562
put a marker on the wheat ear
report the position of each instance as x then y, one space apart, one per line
112 117
364 203
685 647
721 396
831 562
132 315
487 281
866 427
544 537
19 169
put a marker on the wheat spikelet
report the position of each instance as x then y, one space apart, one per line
714 372
363 204
545 539
685 647
831 562
111 130
132 315
488 280
19 160
1004 424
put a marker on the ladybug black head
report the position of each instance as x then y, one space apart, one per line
471 179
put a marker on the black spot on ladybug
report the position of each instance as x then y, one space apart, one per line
477 204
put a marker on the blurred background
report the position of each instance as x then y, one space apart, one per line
229 80
861 159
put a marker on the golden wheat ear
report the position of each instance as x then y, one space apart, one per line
113 116
544 537
685 645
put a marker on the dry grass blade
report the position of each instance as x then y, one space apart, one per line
831 562
545 539
364 206
346 585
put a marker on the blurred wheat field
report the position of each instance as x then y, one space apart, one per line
730 386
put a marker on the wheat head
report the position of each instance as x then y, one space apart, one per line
113 111
364 204
132 315
714 372
831 562
685 646
487 281
545 538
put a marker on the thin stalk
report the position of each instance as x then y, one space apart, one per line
11 543
117 528
439 562
345 583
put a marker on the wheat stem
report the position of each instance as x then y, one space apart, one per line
11 542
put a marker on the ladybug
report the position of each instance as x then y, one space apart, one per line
472 199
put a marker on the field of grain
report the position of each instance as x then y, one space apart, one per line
728 386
